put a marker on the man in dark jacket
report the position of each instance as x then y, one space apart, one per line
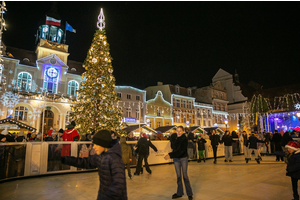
293 165
110 166
285 139
278 149
252 145
227 140
215 140
143 152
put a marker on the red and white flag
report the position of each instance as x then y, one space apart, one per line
52 21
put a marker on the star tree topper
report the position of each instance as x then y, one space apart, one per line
101 18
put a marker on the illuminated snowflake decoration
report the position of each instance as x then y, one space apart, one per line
94 60
297 106
9 86
10 71
9 99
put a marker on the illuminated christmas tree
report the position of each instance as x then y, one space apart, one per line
96 106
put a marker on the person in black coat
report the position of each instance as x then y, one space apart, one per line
201 148
276 139
110 166
179 155
227 140
215 141
143 153
252 145
293 165
285 139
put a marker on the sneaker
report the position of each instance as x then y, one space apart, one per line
225 161
230 161
190 197
204 159
175 196
247 160
136 174
215 162
198 161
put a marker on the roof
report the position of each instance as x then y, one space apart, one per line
209 129
20 124
164 129
27 57
135 127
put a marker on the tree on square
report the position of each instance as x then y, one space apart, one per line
96 106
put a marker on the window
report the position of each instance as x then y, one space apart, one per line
119 94
137 113
177 89
44 32
158 112
217 94
198 122
190 104
209 123
177 103
21 113
184 104
51 77
177 118
184 118
73 86
53 33
59 33
221 95
189 92
128 96
128 112
158 124
137 98
24 81
204 123
190 118
1 69
167 124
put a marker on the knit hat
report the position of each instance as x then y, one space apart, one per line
293 145
103 138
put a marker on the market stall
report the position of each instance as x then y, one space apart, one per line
166 130
15 126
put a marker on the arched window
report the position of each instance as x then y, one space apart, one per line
73 86
24 81
51 77
59 35
21 113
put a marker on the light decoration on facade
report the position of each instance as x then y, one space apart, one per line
297 106
101 20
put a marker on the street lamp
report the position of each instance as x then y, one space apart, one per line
226 123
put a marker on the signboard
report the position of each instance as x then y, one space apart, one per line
130 120
9 126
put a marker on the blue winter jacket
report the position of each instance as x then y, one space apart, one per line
110 169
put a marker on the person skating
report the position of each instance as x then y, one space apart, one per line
143 152
293 165
110 166
227 140
180 157
215 141
201 147
126 155
252 145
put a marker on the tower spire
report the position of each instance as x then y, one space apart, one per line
101 22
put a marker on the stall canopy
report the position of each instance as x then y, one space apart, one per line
164 129
214 128
197 129
12 124
135 127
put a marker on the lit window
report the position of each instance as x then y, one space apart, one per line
21 113
177 118
184 118
190 119
45 32
53 33
209 123
24 81
158 124
167 124
51 77
177 103
128 96
73 86
128 112
59 33
204 123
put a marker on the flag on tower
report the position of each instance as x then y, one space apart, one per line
70 28
52 21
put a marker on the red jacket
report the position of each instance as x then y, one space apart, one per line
68 135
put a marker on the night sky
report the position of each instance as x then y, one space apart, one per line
181 43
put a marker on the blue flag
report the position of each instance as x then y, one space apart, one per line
70 28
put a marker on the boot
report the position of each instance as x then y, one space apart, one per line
247 160
259 157
198 161
204 159
142 170
257 160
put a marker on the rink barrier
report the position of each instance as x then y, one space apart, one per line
25 159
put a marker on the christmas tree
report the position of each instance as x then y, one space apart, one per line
96 106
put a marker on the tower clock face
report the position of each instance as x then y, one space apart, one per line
52 73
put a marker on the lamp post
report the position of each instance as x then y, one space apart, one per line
226 123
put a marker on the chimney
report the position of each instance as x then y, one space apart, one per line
160 83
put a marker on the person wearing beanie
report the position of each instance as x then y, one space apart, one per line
293 165
110 166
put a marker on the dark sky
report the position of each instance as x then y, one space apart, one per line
181 43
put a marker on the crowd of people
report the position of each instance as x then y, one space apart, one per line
116 154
